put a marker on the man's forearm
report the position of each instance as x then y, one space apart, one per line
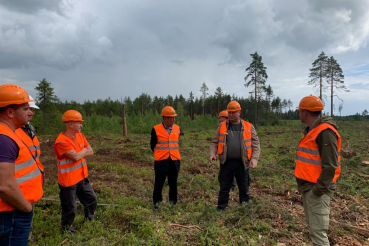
11 194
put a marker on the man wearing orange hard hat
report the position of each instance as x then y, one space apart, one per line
223 116
27 134
237 144
317 166
164 144
20 177
71 149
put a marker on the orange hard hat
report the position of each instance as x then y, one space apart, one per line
13 94
311 103
223 113
72 115
233 106
168 111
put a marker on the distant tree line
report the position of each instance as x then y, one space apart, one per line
261 106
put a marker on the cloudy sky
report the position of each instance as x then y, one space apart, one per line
90 49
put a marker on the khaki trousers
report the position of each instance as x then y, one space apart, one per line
317 211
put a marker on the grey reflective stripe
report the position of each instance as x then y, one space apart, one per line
33 148
37 156
23 165
221 141
67 161
247 140
167 142
28 176
339 163
248 146
166 148
222 135
308 151
70 169
310 161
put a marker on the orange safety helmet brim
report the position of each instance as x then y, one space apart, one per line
13 94
168 111
233 106
311 103
72 115
223 113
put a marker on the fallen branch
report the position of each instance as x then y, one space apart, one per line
346 226
187 227
64 241
349 227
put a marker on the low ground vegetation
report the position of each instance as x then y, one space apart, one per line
121 172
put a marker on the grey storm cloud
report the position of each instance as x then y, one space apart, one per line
33 6
50 40
124 48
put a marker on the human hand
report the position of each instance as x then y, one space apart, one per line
253 163
213 157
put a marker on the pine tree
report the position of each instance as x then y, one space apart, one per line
335 78
190 102
219 94
318 73
256 73
204 90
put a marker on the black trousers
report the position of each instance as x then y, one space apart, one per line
86 195
160 177
228 171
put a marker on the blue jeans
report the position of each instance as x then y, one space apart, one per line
15 227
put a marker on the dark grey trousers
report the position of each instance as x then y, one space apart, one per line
228 171
86 195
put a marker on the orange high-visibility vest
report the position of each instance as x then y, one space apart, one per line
26 172
246 137
167 145
32 144
71 172
308 162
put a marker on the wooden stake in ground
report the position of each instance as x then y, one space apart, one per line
124 121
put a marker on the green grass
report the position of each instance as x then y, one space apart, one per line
122 175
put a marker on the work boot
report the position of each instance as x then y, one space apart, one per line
89 217
70 229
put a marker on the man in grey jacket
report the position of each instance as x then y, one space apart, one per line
237 144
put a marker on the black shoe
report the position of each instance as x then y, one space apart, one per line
221 209
89 217
156 206
69 229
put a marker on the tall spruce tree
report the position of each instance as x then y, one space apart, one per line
335 79
46 100
256 76
318 73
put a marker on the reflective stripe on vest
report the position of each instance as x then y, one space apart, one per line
32 144
71 172
167 145
28 176
70 169
26 172
246 137
308 161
